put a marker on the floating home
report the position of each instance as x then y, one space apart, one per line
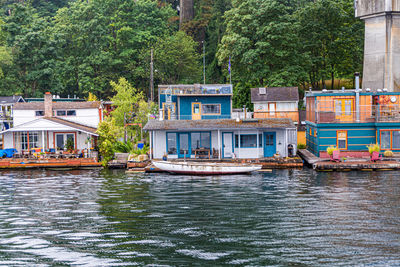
48 124
196 121
279 102
352 120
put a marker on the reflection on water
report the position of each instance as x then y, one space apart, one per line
288 217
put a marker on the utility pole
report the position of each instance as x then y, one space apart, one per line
204 63
151 77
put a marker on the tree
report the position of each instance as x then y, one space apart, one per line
331 39
176 59
186 11
262 44
108 135
5 56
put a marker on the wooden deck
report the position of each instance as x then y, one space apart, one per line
363 164
74 163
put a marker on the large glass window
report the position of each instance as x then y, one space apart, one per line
205 140
33 140
183 144
211 109
385 139
246 141
196 143
396 140
171 143
24 141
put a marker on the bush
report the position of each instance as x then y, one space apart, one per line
330 150
373 147
388 154
122 147
301 146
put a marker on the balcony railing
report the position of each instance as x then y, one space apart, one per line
367 114
196 89
293 115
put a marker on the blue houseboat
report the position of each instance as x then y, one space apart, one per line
196 121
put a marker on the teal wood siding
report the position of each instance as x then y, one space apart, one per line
312 142
163 99
185 106
358 137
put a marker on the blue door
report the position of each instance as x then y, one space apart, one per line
269 144
183 145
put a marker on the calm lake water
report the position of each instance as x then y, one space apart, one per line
283 218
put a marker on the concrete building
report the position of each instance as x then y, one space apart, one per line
382 43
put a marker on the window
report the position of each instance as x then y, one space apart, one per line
196 144
62 140
260 142
347 107
211 109
200 140
61 112
171 143
341 139
338 107
246 141
205 140
39 113
27 142
385 139
396 140
71 112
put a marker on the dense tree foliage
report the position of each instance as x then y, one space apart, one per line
76 47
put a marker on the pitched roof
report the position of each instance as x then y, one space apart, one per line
52 124
57 105
75 125
218 124
10 99
273 94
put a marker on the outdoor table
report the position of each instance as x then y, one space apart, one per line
202 152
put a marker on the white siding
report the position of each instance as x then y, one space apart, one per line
89 117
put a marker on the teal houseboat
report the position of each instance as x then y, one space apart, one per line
351 120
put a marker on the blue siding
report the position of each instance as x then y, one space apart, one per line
163 99
185 106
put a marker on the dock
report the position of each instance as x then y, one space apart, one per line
352 164
73 163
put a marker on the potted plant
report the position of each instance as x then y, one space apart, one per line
70 144
330 150
374 150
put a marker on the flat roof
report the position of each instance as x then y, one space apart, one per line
221 124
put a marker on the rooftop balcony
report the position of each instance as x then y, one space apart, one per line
367 114
195 89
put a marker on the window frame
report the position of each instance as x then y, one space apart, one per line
238 139
337 139
210 114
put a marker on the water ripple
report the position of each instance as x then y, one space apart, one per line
283 218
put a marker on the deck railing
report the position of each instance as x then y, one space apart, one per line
196 90
366 114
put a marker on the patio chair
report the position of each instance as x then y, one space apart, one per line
336 156
375 156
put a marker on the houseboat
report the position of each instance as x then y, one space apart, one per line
351 120
196 122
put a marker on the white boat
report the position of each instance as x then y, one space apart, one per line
205 168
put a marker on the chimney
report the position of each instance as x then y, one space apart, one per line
48 105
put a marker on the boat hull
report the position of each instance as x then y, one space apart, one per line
205 168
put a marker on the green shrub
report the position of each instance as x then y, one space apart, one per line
301 146
373 147
388 154
330 150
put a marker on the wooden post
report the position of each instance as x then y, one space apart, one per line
151 77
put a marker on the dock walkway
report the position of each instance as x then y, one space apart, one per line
363 164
